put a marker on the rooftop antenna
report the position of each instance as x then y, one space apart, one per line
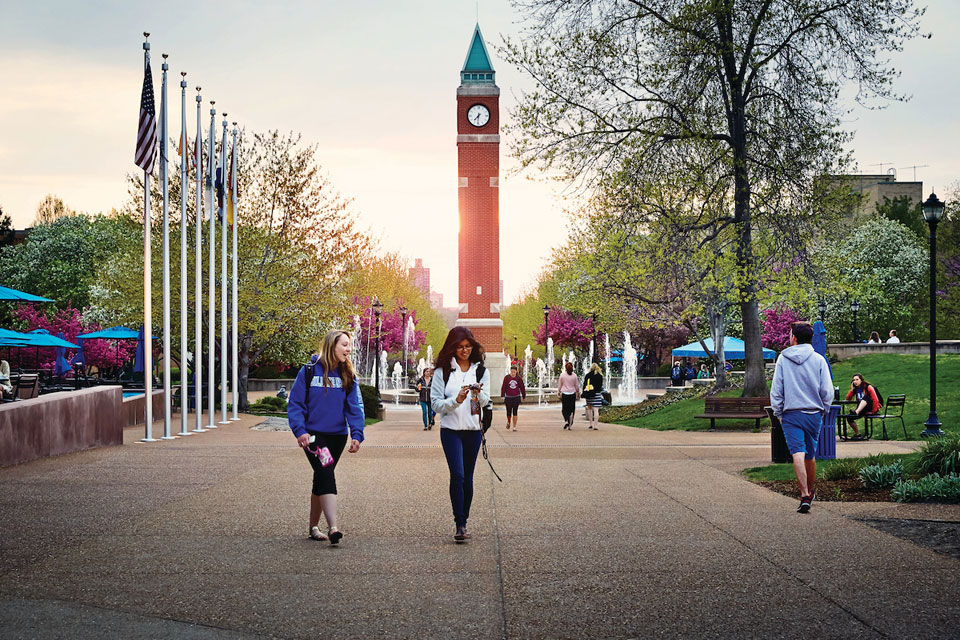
915 167
881 165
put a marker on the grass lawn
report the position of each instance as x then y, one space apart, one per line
784 472
890 373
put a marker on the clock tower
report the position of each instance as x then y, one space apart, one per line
478 163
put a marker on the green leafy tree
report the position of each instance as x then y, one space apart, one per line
749 88
901 209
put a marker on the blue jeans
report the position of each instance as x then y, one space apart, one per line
427 412
461 449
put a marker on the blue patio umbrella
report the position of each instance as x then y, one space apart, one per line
112 333
820 342
733 349
43 338
6 293
61 366
78 358
10 338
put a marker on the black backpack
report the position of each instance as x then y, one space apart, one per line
486 413
879 398
309 371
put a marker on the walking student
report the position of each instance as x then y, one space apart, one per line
568 388
801 392
325 408
513 392
592 388
423 388
459 389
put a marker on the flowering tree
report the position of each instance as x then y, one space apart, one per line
567 329
775 331
391 328
97 353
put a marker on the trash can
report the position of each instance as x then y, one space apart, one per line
778 444
827 444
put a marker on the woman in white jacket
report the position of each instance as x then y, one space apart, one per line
457 393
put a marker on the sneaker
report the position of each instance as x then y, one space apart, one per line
804 504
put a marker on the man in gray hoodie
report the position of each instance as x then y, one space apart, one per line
801 393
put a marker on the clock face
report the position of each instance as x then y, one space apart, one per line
478 115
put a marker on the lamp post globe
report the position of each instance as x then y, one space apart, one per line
933 212
855 307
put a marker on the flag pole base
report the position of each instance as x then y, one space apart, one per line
184 433
169 438
148 440
224 422
198 430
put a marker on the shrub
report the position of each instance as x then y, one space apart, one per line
371 400
269 404
645 408
940 455
880 476
842 469
663 371
931 488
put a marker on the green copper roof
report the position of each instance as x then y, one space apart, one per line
477 57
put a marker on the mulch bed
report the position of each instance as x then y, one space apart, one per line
848 490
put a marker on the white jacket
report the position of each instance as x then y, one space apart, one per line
443 397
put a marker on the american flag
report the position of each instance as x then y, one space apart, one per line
147 132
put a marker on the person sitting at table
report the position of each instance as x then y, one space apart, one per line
704 373
867 402
874 338
5 378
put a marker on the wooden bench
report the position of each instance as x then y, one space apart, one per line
716 408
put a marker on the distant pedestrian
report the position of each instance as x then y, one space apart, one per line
456 381
676 375
689 373
568 388
893 339
282 393
326 408
704 372
801 393
423 389
593 394
513 392
874 338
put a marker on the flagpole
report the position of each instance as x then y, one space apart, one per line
198 285
233 223
147 283
211 285
165 176
184 188
223 279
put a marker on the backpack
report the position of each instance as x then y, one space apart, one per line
879 399
486 413
309 371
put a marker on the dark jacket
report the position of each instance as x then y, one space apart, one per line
594 380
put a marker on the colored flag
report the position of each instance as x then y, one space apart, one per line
219 186
185 143
147 131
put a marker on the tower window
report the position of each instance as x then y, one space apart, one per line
479 290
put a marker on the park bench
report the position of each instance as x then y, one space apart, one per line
716 408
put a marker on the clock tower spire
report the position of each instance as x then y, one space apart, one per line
478 162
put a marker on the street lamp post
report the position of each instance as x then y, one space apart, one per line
932 213
514 348
377 306
822 308
403 337
855 307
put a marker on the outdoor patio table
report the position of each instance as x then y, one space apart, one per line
842 419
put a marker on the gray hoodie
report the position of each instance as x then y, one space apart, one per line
801 381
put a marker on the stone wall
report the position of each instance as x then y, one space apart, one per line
844 351
134 408
268 384
58 423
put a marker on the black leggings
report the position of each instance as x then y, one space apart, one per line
568 405
324 481
512 403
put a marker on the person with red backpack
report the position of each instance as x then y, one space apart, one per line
868 402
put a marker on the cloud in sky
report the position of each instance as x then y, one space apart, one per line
371 82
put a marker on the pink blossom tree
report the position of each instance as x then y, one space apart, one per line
775 332
567 329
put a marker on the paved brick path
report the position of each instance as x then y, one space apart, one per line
615 533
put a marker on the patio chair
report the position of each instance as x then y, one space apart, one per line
893 409
29 386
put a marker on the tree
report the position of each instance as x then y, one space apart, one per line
568 329
60 259
51 209
776 327
7 231
747 87
901 209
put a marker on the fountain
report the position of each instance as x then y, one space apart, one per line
572 359
430 355
409 333
421 365
589 360
549 362
383 370
541 375
397 378
357 356
628 388
527 356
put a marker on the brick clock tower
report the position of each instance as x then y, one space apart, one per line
478 163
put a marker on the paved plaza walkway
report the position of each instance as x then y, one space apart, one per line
619 533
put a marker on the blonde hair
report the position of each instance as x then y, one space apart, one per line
594 368
328 359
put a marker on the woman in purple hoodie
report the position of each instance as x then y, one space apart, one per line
512 391
325 409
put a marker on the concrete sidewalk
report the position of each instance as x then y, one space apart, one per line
614 533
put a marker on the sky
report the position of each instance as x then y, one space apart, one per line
373 84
